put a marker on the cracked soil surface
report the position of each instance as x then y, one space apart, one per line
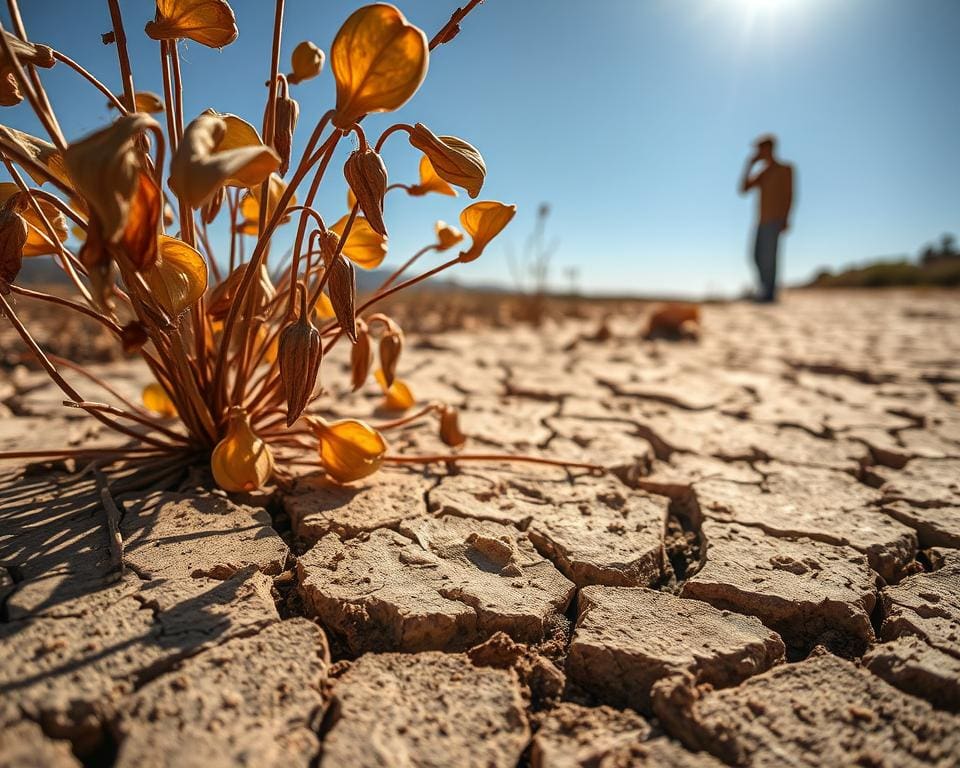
768 575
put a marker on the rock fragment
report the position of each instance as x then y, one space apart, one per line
815 503
806 591
425 709
821 711
927 605
248 701
572 736
23 745
918 669
382 501
175 535
439 583
924 483
627 639
69 671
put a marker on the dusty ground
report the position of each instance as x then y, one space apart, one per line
770 575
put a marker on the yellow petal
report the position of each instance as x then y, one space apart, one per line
144 101
179 278
306 61
241 461
250 205
453 159
378 60
324 309
430 181
447 236
156 399
364 247
219 150
209 22
38 242
483 221
350 450
398 395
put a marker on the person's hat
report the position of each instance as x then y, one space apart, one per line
766 138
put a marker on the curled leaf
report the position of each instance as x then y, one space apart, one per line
306 62
26 53
378 61
43 153
105 169
367 177
144 101
241 461
38 241
208 22
156 399
430 182
219 150
349 449
364 247
447 236
453 159
397 396
179 278
483 221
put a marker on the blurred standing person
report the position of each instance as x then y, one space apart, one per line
775 180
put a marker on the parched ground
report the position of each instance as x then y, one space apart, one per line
768 575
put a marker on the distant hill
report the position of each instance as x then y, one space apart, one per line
934 266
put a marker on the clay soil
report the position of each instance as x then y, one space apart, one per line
768 575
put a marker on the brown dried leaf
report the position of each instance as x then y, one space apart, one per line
13 236
43 153
453 159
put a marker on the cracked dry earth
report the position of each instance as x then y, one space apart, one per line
769 575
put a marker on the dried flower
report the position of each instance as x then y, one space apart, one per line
349 449
364 247
179 278
156 399
250 205
367 176
300 354
483 221
219 150
453 159
342 286
430 181
447 236
105 169
241 461
38 241
208 22
286 115
361 356
223 295
391 345
378 61
26 53
13 236
450 427
133 336
144 101
397 396
306 62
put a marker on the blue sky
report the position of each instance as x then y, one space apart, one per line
632 118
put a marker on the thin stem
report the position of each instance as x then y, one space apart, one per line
505 457
120 40
92 80
407 264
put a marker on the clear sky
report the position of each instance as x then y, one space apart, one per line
632 118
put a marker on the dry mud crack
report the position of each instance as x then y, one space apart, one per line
769 574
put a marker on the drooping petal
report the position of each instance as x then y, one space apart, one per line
179 278
364 247
430 181
483 221
378 60
219 150
454 160
105 169
397 396
209 22
447 236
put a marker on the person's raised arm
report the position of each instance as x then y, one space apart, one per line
746 180
786 221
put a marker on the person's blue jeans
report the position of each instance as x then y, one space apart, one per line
765 255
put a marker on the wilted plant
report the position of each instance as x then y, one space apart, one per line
236 355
